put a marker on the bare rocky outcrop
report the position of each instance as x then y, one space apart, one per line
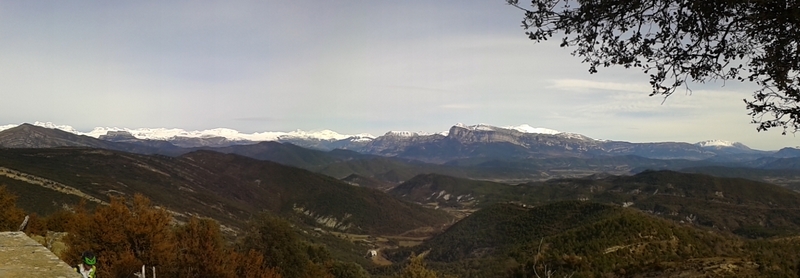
327 221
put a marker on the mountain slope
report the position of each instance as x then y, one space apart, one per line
227 187
593 240
283 153
456 192
784 163
326 199
745 207
368 182
789 178
788 152
742 206
31 136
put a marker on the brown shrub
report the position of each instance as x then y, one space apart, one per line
10 215
123 238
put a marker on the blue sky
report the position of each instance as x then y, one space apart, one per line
348 66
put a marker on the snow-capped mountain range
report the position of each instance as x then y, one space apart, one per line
521 128
324 135
717 143
230 134
234 135
458 142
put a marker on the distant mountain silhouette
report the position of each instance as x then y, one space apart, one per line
31 136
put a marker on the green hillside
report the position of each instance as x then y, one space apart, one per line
789 178
745 207
368 182
587 239
457 192
502 169
732 204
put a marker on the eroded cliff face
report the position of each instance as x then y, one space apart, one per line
494 135
393 143
489 141
560 141
326 220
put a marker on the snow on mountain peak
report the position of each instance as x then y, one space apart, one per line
478 127
405 133
66 128
524 128
230 134
4 127
323 135
234 135
716 143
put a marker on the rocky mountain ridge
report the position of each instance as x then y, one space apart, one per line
459 142
486 141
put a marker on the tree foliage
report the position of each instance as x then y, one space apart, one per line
283 249
201 249
10 215
341 269
123 238
126 236
129 233
416 269
679 41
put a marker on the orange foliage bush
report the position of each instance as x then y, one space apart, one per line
36 225
10 215
127 237
123 238
251 265
58 220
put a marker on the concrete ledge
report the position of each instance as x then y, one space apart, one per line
21 256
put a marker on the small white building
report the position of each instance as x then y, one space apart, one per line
372 253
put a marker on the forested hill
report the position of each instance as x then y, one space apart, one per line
595 240
226 187
746 207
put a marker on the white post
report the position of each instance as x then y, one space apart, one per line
24 223
144 274
154 272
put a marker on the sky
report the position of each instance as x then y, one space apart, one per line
348 66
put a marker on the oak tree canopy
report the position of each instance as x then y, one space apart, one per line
680 41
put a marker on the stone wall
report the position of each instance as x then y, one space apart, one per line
21 256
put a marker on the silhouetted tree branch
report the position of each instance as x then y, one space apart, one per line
677 41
